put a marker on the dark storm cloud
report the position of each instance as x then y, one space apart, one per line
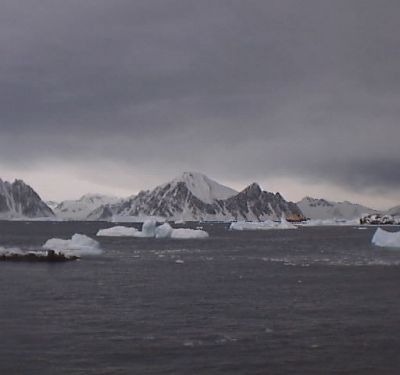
246 89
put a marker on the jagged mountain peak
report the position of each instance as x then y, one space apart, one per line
253 189
202 187
194 196
19 200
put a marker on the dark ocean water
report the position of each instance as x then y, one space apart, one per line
307 301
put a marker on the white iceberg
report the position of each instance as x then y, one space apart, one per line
262 225
78 245
118 231
150 230
183 233
383 238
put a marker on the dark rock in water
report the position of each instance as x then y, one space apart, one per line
51 256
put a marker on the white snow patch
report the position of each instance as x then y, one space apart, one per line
204 188
81 208
78 245
383 238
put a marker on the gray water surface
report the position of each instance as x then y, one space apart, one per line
307 301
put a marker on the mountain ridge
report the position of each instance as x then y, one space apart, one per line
320 208
18 201
182 199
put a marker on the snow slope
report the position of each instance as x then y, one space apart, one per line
81 208
203 188
322 209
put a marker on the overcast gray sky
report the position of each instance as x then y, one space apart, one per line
116 96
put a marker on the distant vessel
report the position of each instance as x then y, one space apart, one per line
50 256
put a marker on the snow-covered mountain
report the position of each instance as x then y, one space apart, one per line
203 188
80 209
18 201
314 208
394 211
194 196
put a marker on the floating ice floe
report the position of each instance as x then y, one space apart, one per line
383 238
150 230
118 231
262 225
78 245
184 233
